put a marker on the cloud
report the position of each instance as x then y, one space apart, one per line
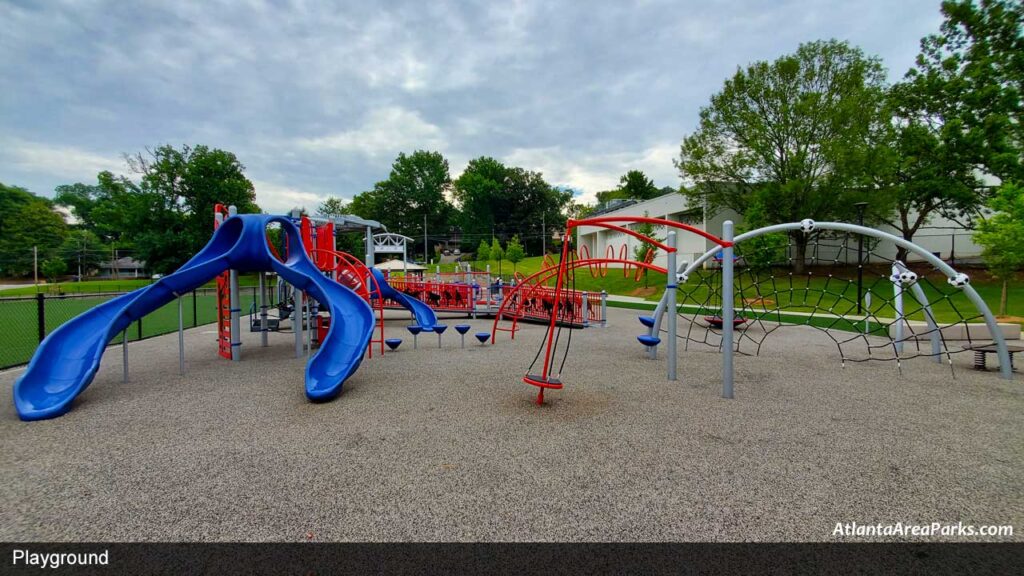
323 95
596 172
280 199
66 162
384 131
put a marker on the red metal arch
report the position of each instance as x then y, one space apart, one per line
347 262
603 221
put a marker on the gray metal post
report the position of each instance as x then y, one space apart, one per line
297 320
727 310
929 316
370 257
236 309
659 312
309 325
585 310
263 309
314 314
124 353
181 337
604 309
670 288
897 304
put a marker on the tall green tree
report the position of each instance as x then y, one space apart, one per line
969 78
494 198
785 128
27 222
332 207
83 251
497 253
636 184
106 208
413 193
1002 237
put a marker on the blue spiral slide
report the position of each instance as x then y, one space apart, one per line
67 360
424 314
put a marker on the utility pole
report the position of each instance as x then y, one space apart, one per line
425 253
543 235
35 264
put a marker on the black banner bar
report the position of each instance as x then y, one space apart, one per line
517 559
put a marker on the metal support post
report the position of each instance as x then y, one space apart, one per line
604 309
728 298
263 309
297 320
236 309
181 337
124 353
670 288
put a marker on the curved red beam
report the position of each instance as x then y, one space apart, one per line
634 234
599 220
552 271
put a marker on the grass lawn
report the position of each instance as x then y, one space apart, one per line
95 286
20 337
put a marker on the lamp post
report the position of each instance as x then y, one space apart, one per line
860 206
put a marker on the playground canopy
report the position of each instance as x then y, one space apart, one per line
398 265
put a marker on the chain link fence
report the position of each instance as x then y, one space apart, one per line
27 320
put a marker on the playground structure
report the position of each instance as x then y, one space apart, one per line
712 305
336 302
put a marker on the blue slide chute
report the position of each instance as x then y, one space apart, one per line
67 360
425 316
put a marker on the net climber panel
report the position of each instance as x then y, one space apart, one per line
870 304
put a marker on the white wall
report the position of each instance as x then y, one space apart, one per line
940 235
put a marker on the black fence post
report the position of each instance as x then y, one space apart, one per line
194 317
41 315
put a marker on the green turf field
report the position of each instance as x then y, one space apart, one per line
20 336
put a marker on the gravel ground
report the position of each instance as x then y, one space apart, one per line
445 445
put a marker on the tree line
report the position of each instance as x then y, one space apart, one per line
820 134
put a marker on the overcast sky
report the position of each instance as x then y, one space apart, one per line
318 99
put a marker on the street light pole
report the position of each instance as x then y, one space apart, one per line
860 256
543 235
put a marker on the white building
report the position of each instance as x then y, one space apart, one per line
941 236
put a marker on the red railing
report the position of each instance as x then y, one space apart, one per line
441 296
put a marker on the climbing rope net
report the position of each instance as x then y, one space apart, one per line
866 300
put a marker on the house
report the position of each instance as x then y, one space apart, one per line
943 237
123 267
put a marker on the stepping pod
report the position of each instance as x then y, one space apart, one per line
393 343
414 330
483 337
462 329
440 328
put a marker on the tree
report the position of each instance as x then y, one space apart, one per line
969 78
27 221
83 251
641 250
106 208
52 268
483 252
514 252
1002 236
635 184
912 173
173 217
785 129
507 200
761 252
332 207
